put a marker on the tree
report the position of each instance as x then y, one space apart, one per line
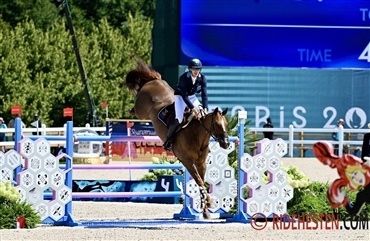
40 73
115 11
85 13
42 12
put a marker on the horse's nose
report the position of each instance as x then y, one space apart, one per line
227 144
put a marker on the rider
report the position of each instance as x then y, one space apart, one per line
190 83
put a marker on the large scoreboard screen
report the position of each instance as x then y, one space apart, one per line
276 33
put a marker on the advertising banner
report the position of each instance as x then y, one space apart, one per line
137 151
276 33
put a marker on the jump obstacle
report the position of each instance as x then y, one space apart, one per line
59 211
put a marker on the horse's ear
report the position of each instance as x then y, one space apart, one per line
225 111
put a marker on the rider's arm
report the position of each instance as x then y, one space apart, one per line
204 92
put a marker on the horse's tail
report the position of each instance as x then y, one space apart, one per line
139 76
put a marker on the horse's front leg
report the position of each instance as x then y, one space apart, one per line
201 167
197 170
205 201
204 197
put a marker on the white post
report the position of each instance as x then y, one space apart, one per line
291 140
65 129
43 126
129 147
341 137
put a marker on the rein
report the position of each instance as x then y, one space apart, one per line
209 131
204 147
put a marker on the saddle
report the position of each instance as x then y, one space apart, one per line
167 114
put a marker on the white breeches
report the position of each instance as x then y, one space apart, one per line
180 105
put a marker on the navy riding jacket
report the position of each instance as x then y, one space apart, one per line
365 146
185 88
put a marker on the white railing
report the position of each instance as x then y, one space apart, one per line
303 138
55 131
300 139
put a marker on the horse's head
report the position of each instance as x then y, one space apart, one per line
138 77
219 128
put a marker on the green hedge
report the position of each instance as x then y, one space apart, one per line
11 208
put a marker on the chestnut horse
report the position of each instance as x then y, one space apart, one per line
190 145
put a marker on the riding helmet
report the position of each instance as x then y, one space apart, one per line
195 64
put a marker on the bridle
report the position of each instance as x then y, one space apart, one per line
219 136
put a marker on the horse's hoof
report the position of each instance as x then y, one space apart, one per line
132 111
206 215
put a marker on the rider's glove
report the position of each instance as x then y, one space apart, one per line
196 112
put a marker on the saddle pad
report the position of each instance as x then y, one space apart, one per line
166 114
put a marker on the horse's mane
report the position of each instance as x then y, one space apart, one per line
139 76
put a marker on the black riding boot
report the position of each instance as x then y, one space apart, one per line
171 130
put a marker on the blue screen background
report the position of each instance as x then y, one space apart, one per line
275 33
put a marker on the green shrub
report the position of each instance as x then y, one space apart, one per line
313 200
296 178
11 208
153 174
